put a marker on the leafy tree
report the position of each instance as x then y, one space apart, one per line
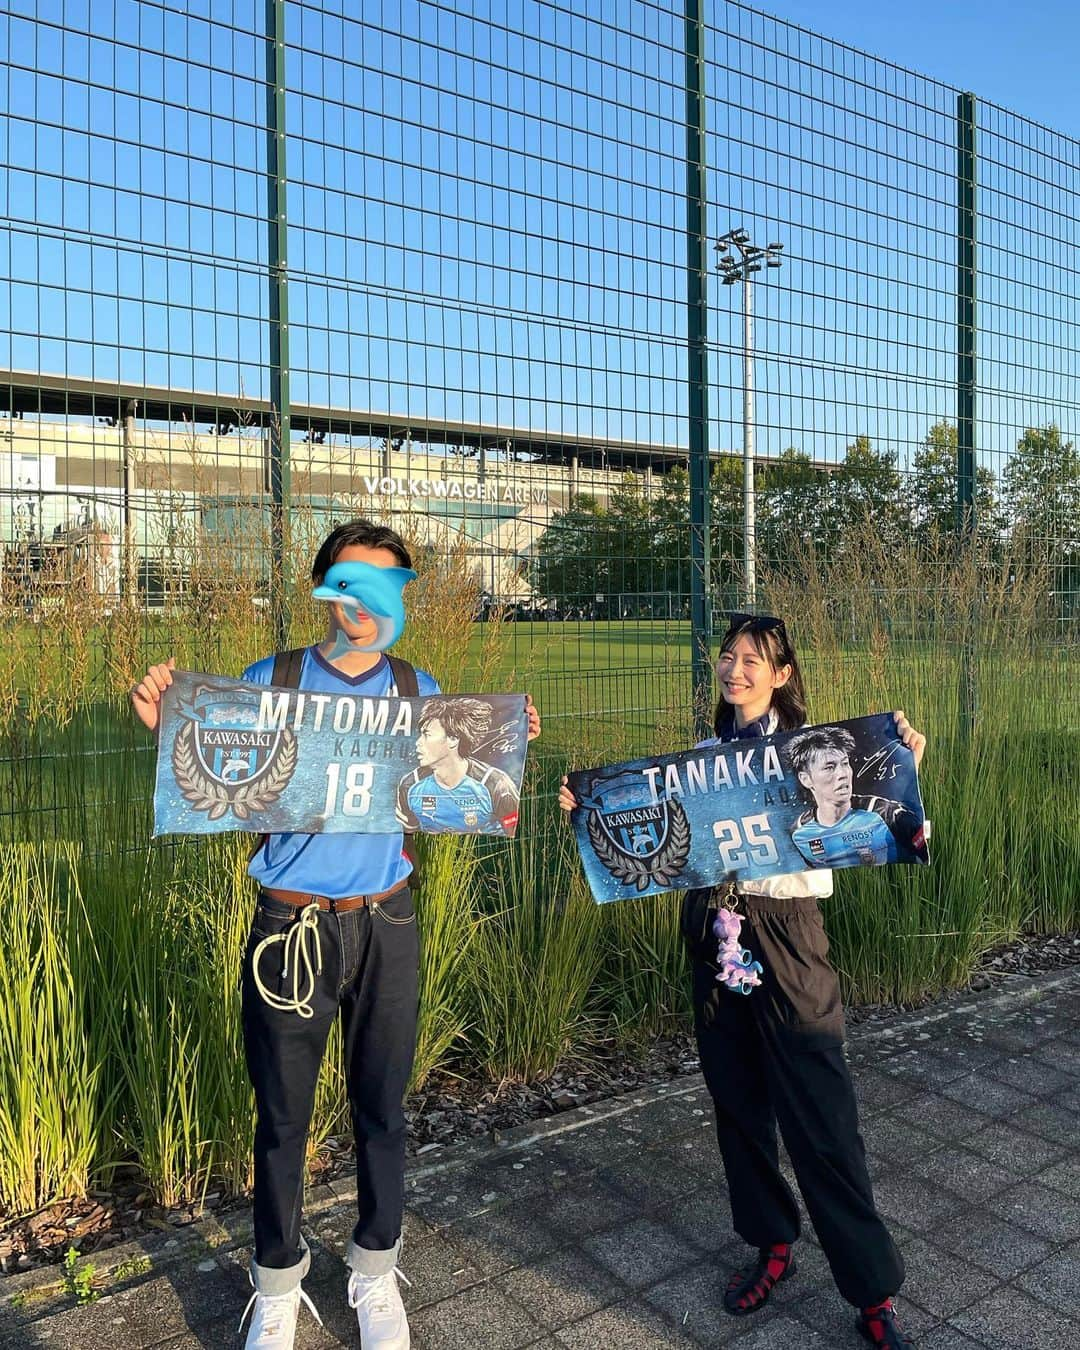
1041 491
568 560
864 488
791 508
932 486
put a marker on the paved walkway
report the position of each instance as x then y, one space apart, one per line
608 1227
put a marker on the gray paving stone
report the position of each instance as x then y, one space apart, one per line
696 1155
1031 1077
978 1178
436 1269
704 1219
783 1331
988 1241
835 1319
1056 1281
155 1308
876 1092
942 1116
966 1174
482 1316
97 1326
519 1175
1010 1320
626 1326
692 1301
1009 1039
1063 1176
640 1253
647 1180
561 1288
221 1336
575 1211
897 1138
1050 1119
919 1205
946 1064
461 1195
1062 1054
339 1321
1039 1209
940 1282
500 1241
1070 1098
981 1092
948 1337
1001 1142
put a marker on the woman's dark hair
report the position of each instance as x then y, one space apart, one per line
772 643
361 532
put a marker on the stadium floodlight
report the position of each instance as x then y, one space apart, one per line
734 266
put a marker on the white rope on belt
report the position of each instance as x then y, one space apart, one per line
297 955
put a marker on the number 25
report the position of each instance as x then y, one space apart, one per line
758 846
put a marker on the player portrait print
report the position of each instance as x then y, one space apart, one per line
223 762
833 796
240 755
641 843
456 787
839 827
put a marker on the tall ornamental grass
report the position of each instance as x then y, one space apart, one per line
534 962
120 958
52 1103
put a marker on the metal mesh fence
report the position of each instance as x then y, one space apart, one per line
265 267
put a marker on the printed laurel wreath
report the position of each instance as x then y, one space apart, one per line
663 868
205 794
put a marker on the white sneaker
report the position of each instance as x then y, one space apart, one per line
273 1323
379 1310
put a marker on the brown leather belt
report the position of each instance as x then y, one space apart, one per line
328 902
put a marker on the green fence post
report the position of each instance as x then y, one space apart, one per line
697 367
965 312
280 428
965 368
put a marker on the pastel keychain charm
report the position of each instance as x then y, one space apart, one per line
372 591
738 972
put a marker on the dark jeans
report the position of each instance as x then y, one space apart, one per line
774 1057
369 960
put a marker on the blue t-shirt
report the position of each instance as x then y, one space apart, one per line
333 864
861 838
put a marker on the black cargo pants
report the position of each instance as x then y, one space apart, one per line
775 1057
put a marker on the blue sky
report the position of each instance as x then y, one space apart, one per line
487 213
1020 55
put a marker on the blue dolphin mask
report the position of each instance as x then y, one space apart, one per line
375 590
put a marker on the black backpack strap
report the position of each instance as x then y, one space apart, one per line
287 668
404 677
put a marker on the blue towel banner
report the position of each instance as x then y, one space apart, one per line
841 795
240 756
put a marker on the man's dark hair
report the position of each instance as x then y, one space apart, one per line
818 740
364 533
466 719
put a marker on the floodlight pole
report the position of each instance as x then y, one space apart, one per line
739 260
749 502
